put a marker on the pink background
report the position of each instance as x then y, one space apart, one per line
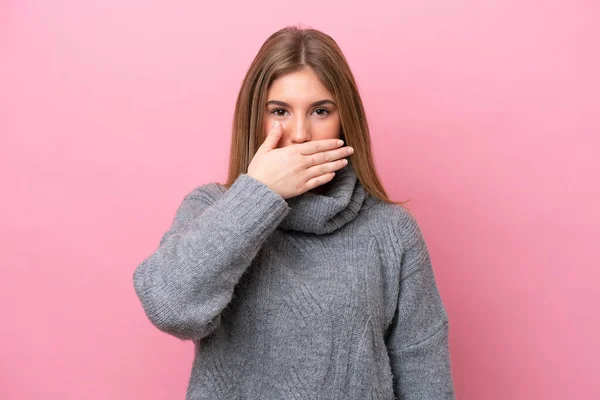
484 113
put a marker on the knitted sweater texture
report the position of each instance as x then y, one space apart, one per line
319 296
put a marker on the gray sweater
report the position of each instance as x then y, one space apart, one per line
320 296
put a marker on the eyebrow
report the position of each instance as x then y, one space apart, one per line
316 103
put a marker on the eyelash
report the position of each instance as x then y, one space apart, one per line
274 111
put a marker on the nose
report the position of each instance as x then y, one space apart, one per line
299 130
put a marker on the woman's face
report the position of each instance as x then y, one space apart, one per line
303 106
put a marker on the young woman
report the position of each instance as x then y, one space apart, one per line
298 278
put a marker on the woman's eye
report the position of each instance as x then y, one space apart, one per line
323 111
278 112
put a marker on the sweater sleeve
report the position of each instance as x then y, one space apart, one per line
189 280
417 341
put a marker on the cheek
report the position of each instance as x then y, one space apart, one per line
329 129
266 126
268 120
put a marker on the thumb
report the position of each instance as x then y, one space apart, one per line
273 137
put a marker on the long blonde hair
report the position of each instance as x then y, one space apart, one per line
288 50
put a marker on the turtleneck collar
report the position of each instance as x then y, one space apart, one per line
324 213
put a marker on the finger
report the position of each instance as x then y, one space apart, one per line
331 155
319 180
327 168
317 146
273 137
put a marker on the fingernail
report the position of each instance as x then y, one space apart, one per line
340 142
274 124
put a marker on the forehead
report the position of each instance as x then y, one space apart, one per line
298 86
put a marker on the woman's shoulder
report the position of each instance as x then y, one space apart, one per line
390 212
209 192
394 221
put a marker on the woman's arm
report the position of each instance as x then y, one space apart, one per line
417 341
190 278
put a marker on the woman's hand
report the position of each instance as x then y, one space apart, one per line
298 168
